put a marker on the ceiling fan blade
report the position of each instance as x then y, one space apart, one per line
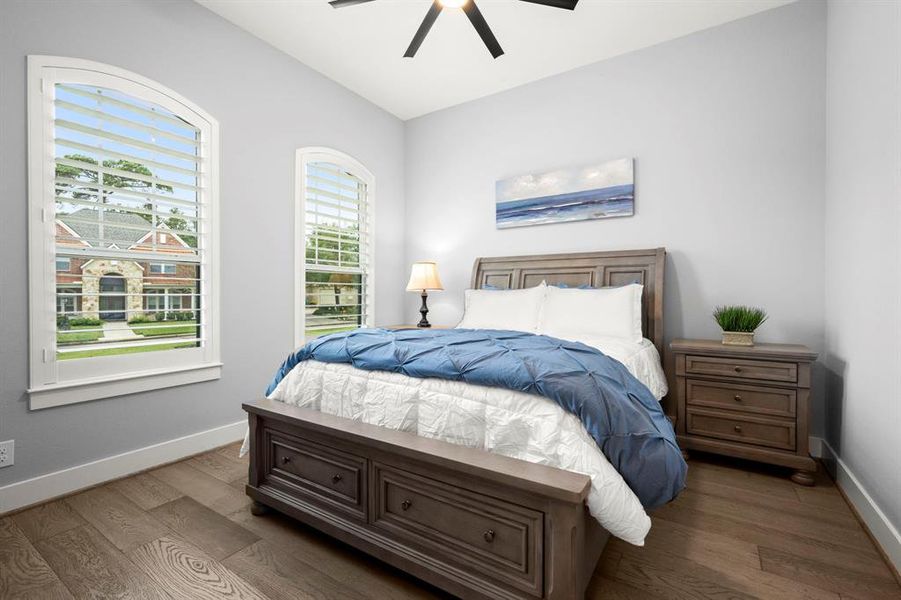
567 4
427 22
343 3
478 21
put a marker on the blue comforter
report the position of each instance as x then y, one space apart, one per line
617 410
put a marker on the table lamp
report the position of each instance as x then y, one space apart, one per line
424 277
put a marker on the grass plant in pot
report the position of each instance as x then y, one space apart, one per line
738 323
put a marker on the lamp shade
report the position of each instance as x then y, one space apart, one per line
424 276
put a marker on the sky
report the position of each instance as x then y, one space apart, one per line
578 179
182 137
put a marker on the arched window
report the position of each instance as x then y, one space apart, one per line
123 177
334 281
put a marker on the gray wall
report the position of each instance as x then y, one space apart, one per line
267 105
863 245
727 129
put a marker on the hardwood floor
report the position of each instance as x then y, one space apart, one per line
184 531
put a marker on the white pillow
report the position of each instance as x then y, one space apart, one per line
519 310
576 314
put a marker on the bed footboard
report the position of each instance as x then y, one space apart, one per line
473 523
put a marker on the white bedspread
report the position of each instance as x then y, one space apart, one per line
642 360
510 423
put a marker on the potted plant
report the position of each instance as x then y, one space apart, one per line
738 323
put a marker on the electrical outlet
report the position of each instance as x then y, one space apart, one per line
7 453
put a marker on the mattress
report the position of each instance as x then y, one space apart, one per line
511 423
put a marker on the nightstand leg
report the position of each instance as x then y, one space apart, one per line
684 454
803 478
257 509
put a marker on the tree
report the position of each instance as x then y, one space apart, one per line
325 241
82 175
322 248
79 178
176 222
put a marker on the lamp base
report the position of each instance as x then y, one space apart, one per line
424 310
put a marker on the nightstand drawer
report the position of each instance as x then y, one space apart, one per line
742 368
741 427
740 397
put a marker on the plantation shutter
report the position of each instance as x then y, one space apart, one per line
337 250
128 191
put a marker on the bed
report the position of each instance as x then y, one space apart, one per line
478 524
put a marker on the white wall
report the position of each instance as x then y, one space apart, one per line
267 105
727 129
863 247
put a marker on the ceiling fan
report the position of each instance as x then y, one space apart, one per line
472 11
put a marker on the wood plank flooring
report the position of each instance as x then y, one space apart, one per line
184 531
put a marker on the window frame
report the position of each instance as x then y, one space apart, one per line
53 382
162 266
65 300
157 295
305 156
68 268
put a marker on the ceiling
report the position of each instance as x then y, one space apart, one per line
362 46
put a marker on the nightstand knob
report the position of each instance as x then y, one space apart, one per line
286 460
738 428
336 478
737 398
406 504
738 369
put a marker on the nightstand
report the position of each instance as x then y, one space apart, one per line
749 402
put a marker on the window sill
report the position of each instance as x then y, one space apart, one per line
85 390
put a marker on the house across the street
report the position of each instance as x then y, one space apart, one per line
113 289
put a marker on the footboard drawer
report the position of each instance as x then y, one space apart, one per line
500 540
313 471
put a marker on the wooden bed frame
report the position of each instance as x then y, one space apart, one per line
475 524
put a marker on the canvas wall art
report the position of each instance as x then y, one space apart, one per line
597 191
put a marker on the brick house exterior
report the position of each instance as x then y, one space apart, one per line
115 289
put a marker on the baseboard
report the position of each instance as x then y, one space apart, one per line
881 529
59 483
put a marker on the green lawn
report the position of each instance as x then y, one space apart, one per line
309 334
73 335
115 351
176 328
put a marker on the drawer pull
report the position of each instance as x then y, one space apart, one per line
406 504
286 460
737 398
738 428
488 535
737 369
336 478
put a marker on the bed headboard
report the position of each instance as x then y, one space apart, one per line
597 269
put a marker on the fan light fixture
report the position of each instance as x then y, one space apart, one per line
472 12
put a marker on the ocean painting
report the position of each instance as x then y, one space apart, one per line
593 192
